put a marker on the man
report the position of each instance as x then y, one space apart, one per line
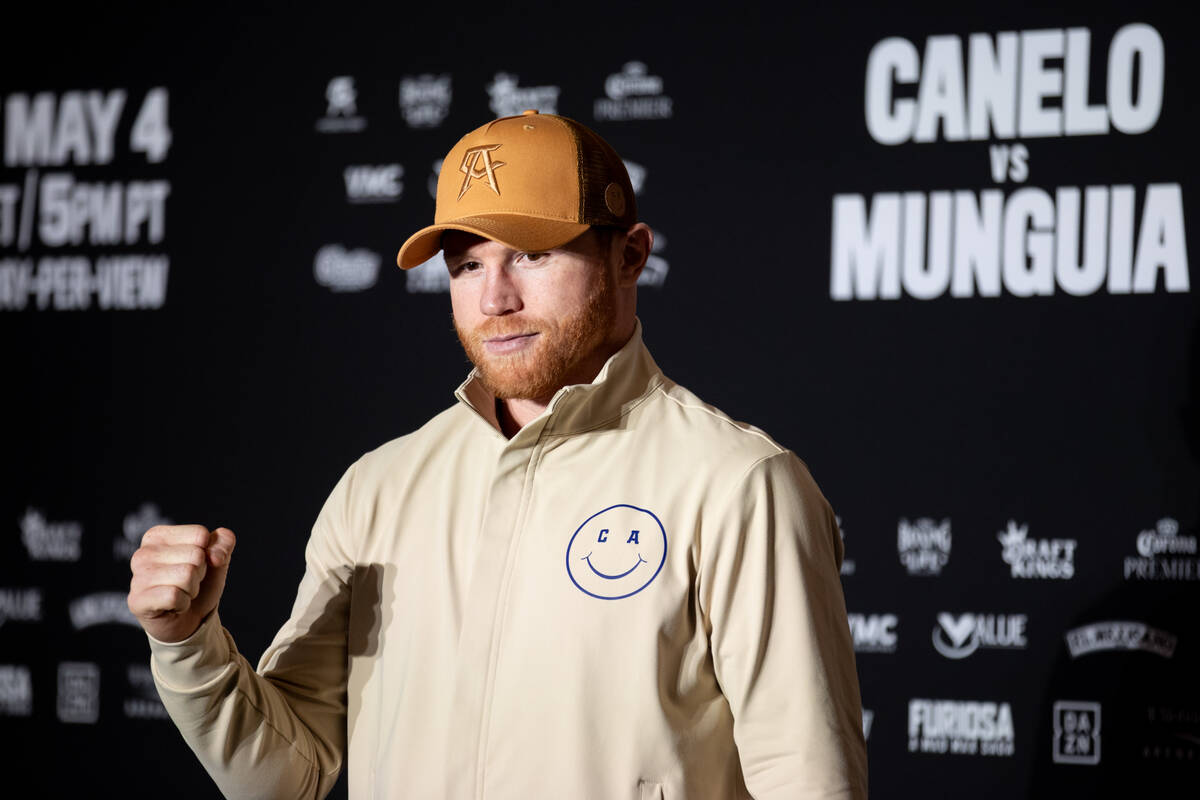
578 581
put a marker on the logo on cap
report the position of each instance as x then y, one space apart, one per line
614 198
474 172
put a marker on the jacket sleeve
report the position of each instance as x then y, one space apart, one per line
781 647
280 731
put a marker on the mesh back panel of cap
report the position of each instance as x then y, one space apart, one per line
599 165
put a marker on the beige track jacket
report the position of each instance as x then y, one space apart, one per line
634 597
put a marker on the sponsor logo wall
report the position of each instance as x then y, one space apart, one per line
956 280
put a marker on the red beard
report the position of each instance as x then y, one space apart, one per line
555 356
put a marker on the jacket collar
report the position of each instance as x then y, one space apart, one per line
628 376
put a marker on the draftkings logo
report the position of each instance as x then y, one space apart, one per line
1036 558
341 111
425 100
960 727
1076 732
873 633
959 635
632 93
1163 555
508 99
342 270
924 545
50 541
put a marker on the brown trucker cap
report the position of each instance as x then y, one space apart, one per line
531 182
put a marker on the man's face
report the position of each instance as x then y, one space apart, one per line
531 322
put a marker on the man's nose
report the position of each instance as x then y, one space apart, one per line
500 293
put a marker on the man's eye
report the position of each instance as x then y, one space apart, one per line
466 266
533 258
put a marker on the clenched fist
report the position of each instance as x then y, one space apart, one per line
178 576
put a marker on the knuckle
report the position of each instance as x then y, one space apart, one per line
183 574
175 599
197 534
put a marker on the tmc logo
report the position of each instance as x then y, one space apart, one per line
374 183
616 552
474 171
873 633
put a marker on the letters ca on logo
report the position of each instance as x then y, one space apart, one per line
477 164
617 552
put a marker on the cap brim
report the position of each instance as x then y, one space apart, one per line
517 231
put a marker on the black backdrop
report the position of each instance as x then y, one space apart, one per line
212 329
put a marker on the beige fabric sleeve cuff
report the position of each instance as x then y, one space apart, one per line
191 664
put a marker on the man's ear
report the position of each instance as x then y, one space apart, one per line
636 244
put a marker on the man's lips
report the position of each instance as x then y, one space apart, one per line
508 343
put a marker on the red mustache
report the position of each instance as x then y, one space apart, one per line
501 327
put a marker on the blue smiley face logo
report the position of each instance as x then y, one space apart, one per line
617 552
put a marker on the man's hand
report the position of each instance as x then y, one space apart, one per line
178 576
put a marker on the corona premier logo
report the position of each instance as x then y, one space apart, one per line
475 171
